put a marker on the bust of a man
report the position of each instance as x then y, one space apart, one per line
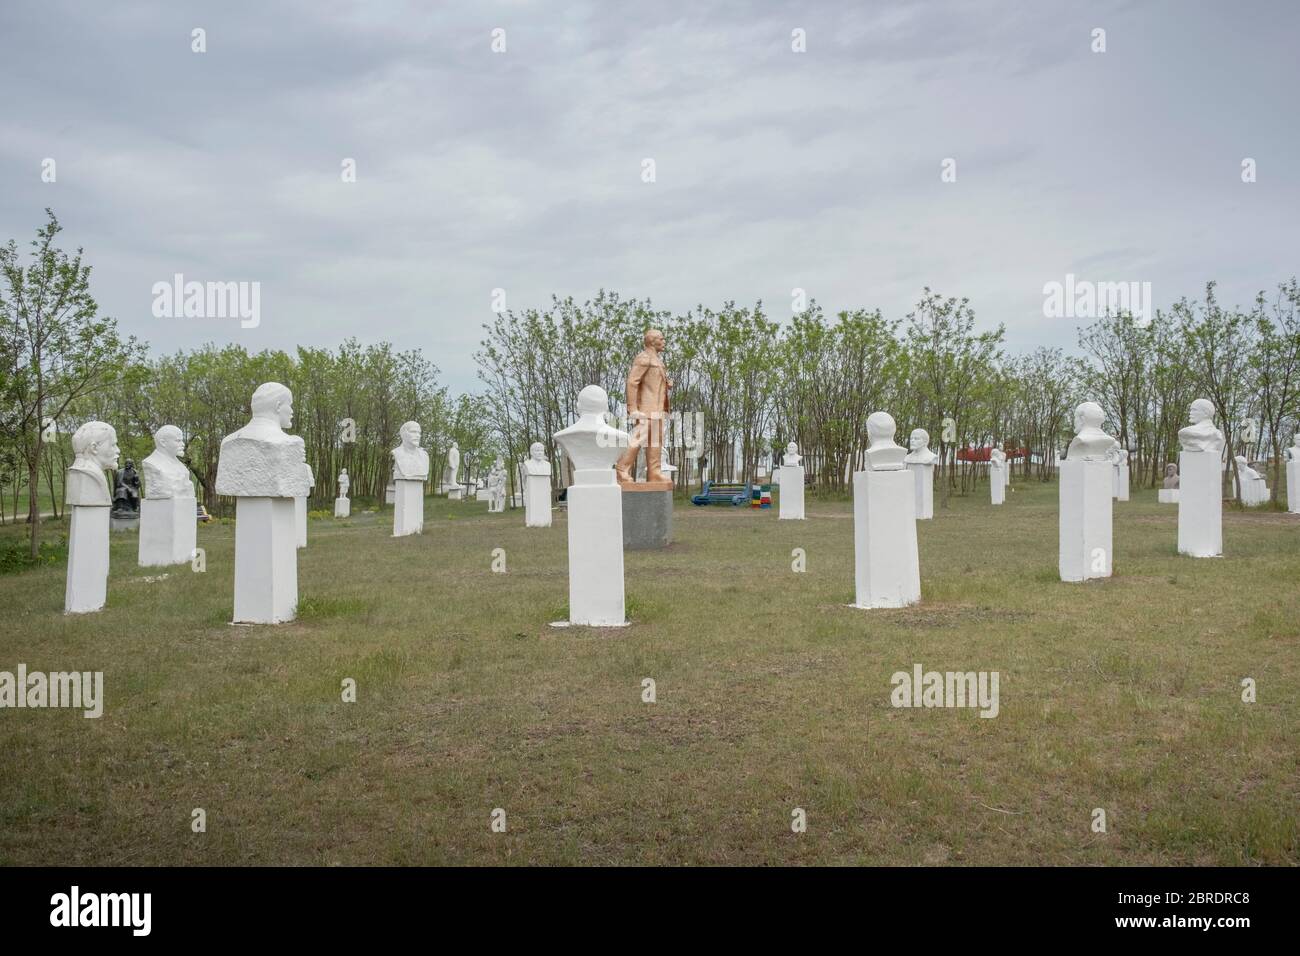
997 457
1293 453
883 454
591 444
1244 470
94 446
918 448
410 461
1171 476
261 460
344 483
536 463
1090 443
165 475
1201 435
792 456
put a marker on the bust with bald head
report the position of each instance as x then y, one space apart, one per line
261 460
1201 435
165 475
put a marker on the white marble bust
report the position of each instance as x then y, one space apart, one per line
792 456
344 483
1171 476
165 475
883 454
410 461
918 448
1201 435
94 446
1293 453
1245 471
261 460
536 463
591 444
1090 443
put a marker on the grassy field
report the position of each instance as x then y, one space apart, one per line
1121 694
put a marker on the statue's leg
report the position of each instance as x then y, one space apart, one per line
627 462
654 449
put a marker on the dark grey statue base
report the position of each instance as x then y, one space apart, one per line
647 518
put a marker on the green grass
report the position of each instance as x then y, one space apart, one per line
772 694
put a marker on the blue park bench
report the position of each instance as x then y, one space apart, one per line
721 493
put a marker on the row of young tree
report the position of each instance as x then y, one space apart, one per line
744 385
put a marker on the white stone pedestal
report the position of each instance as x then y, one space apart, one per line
342 507
300 519
596 555
456 494
87 587
1167 496
923 479
1120 479
266 561
537 501
1293 486
791 493
1086 489
408 507
886 566
1200 504
168 531
997 485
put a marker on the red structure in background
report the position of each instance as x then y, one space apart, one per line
982 454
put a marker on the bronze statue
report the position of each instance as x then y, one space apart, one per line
648 385
126 493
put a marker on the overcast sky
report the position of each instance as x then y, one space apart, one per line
522 170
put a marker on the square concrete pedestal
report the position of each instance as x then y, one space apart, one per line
87 584
266 561
791 494
408 508
647 515
168 531
342 507
1200 504
923 476
886 564
1293 486
1086 497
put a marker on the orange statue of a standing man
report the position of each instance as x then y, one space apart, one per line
648 385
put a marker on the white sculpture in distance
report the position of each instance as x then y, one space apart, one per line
1086 486
265 469
496 486
537 487
1168 492
791 484
1119 473
410 471
94 447
1293 475
1253 487
1200 492
920 462
451 474
595 505
342 504
168 511
887 570
997 475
